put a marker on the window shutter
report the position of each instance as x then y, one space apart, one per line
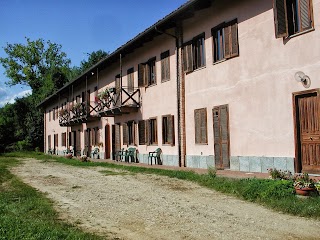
141 75
227 42
49 141
117 139
142 132
234 40
197 122
125 134
187 58
305 14
203 125
280 18
148 132
118 84
224 125
171 130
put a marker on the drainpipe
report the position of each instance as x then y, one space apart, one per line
180 94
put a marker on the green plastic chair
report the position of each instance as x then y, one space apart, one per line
130 155
156 156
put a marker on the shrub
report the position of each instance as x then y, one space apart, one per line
279 174
212 172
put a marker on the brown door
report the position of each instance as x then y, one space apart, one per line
221 136
116 141
107 141
307 131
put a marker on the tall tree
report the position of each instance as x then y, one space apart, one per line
34 63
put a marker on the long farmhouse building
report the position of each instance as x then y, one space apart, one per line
225 83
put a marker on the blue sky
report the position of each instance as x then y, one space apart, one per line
79 26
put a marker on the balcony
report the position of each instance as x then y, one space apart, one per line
112 101
77 114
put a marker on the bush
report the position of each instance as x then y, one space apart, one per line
23 145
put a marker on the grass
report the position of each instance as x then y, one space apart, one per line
26 213
274 194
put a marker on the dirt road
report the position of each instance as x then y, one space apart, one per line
122 205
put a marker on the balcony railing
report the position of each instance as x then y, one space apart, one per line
112 101
77 113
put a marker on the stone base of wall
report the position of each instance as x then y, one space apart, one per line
245 163
167 160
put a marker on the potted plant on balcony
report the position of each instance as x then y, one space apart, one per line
304 185
63 112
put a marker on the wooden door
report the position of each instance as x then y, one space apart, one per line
221 136
116 141
107 142
307 129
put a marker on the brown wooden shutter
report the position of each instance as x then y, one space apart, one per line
117 141
187 58
125 133
142 75
234 40
280 18
204 126
148 135
197 122
49 141
305 15
227 42
216 136
171 130
142 132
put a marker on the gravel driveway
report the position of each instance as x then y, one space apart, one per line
122 205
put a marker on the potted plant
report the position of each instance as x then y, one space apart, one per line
63 112
303 184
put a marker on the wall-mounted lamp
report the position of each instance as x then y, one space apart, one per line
304 79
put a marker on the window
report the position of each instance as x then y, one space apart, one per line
54 114
142 132
95 136
168 129
225 41
148 132
147 73
153 136
292 16
130 80
118 83
128 133
165 66
63 139
194 54
200 120
49 115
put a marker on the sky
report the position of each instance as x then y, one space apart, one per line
80 26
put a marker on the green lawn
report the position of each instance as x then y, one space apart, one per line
26 213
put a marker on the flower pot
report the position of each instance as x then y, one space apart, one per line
305 191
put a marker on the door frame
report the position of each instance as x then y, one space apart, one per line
297 141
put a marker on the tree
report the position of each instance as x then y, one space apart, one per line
34 63
93 58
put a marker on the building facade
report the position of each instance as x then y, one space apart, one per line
231 84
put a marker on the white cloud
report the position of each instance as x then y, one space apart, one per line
7 97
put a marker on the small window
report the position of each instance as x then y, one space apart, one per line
142 132
49 115
292 16
147 73
130 77
53 114
168 129
165 66
194 54
225 41
128 133
200 119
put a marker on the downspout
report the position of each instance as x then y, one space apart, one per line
180 94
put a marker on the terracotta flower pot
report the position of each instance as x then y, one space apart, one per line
304 191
